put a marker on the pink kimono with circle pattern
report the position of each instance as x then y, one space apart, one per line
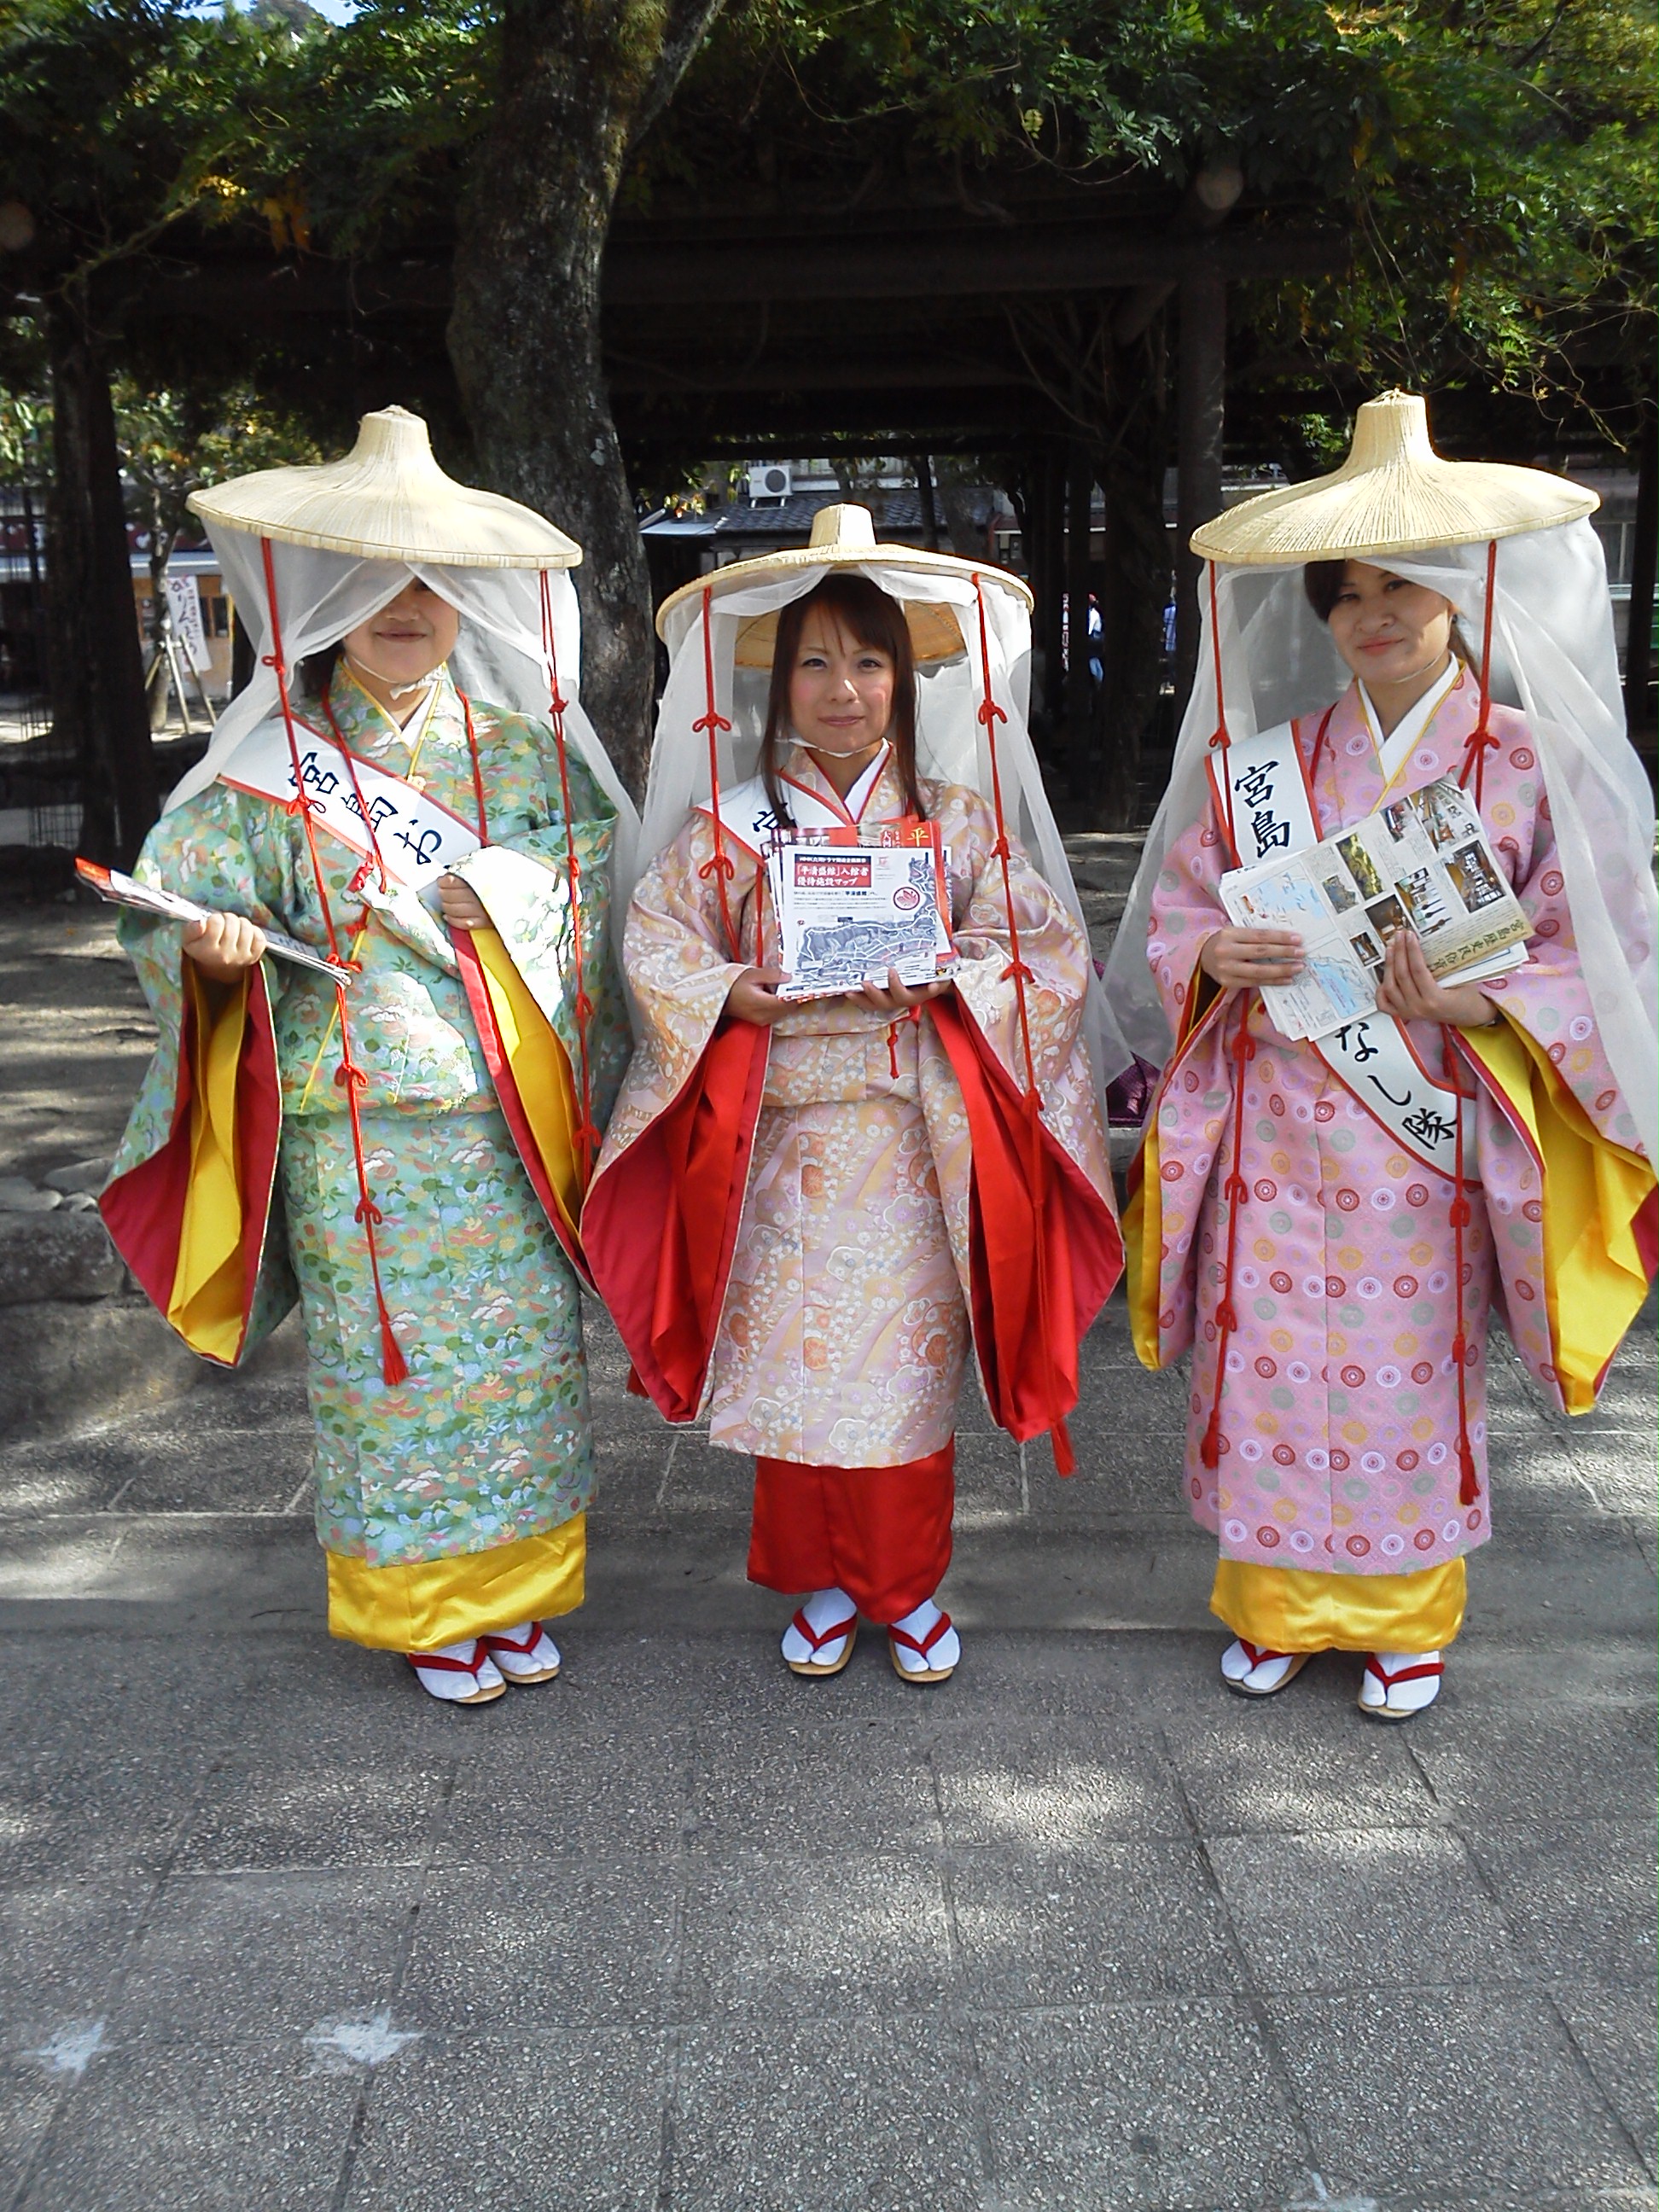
1339 1404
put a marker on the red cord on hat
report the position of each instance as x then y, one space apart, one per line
1235 1192
347 1075
1218 737
713 721
1460 1214
1482 741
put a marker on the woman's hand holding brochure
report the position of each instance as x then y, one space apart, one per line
1421 866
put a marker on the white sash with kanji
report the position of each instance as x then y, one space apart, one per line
1264 802
417 839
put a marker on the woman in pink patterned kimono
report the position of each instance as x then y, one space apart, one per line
805 1211
1332 1227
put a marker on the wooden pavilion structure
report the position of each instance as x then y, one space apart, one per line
895 328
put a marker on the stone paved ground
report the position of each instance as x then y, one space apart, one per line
681 1933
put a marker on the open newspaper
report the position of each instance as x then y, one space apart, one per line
121 890
1423 863
851 904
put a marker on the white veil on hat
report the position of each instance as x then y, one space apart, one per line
330 546
1552 656
701 625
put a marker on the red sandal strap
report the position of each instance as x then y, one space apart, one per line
804 1627
1417 1674
443 1666
496 1641
926 1643
1258 1655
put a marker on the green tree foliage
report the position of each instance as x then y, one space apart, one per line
1492 159
175 443
121 119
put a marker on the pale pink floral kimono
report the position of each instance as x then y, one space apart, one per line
1339 1418
846 1314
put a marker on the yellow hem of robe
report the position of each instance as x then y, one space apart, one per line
421 1605
1142 1232
1299 1609
541 1072
206 1303
1593 1279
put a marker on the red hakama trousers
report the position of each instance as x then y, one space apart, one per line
882 1534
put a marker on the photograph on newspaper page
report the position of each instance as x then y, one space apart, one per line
851 907
1424 863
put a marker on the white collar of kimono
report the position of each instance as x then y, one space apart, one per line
1394 750
857 797
366 723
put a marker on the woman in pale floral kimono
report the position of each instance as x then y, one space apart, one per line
403 1140
1331 1226
806 1212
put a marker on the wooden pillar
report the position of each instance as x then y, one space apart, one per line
1639 636
1080 686
1200 398
1050 596
929 504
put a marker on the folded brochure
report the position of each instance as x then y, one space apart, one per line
148 898
1423 862
852 904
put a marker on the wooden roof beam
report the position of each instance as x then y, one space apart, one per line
966 263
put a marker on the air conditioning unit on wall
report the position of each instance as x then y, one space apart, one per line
773 480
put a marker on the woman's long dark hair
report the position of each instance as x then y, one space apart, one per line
866 613
317 673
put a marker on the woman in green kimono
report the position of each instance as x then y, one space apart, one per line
386 1051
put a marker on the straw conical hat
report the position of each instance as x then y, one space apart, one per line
845 538
1394 494
388 500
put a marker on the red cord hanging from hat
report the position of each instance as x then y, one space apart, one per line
348 1076
712 722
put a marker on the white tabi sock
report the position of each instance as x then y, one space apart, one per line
824 1609
919 1623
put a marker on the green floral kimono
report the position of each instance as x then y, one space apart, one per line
486 1444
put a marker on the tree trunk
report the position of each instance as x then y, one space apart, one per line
98 698
580 83
968 542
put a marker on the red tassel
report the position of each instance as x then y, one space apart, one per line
1469 1488
394 1368
1065 1458
1209 1449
